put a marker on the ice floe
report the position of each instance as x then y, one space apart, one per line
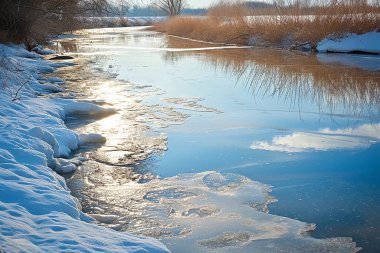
192 104
208 212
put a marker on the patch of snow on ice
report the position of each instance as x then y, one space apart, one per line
368 42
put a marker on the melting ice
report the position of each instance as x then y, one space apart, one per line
211 212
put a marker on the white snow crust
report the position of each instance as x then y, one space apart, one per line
368 43
37 212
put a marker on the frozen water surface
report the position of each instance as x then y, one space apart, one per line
198 126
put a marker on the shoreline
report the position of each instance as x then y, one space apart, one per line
349 43
37 211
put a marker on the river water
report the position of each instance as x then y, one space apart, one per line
227 149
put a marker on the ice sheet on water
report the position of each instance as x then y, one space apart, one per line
227 239
219 182
210 212
192 104
201 211
170 193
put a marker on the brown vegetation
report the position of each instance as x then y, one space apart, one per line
32 21
292 76
291 24
207 29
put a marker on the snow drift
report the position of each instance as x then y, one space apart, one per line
37 212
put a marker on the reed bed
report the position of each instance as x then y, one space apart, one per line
290 25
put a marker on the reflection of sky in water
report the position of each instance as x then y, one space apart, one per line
310 130
361 137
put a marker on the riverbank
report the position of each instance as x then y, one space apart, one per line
203 31
331 27
37 211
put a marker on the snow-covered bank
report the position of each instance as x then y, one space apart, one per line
37 212
367 43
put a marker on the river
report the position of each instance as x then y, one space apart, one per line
226 149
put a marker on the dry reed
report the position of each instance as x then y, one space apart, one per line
285 26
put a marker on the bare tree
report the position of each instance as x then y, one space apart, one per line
170 7
33 20
120 9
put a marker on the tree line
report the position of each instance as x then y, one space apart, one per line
31 21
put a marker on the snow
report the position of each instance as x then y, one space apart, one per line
91 138
83 108
103 218
37 211
368 43
40 50
13 50
55 79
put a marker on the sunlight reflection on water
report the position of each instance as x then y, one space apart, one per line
271 101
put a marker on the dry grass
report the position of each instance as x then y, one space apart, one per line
210 29
228 9
287 26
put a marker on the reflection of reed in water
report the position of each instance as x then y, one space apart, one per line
178 42
296 78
